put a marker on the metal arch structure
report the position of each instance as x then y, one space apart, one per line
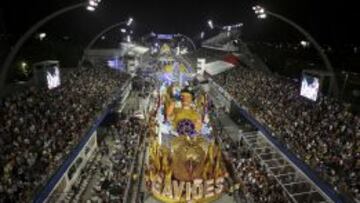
14 51
188 39
318 48
94 40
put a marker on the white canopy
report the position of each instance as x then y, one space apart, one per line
217 67
133 49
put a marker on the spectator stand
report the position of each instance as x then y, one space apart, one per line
290 160
125 94
70 169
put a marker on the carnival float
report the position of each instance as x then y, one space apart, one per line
184 162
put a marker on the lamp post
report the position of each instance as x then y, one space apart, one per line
263 13
128 22
91 5
202 34
211 24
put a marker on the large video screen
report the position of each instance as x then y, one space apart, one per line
53 77
310 86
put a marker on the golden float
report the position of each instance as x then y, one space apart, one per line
190 166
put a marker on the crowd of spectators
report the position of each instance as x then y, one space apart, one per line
255 183
39 127
106 175
114 171
325 134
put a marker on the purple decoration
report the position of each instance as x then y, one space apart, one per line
186 127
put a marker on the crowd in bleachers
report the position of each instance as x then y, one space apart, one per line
39 127
256 183
112 171
105 177
325 134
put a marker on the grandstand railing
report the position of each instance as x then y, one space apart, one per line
53 182
325 187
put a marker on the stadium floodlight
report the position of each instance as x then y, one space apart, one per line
262 16
202 35
305 43
260 12
23 64
130 21
211 24
90 8
92 5
42 36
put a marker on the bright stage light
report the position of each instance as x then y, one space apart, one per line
262 16
304 43
260 12
93 3
23 64
90 8
211 24
42 36
130 21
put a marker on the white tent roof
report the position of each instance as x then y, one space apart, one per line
217 67
140 50
133 49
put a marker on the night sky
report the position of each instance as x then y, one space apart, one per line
330 22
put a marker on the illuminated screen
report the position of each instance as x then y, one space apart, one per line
53 77
310 87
